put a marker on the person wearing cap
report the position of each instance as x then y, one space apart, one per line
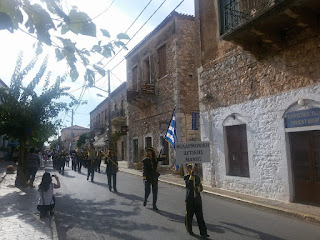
112 169
150 176
193 201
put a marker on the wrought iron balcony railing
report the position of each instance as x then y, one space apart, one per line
235 13
117 113
144 91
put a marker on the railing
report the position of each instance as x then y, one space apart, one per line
117 113
144 90
235 13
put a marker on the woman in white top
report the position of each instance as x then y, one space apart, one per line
47 201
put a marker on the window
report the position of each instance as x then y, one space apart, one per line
146 71
134 78
162 61
148 142
165 150
237 160
122 104
135 151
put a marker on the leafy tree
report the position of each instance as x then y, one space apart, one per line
28 117
48 22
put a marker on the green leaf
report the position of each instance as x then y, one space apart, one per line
106 52
86 52
74 73
123 36
96 48
39 49
10 8
80 23
105 33
100 70
89 77
64 29
41 20
6 22
120 44
59 55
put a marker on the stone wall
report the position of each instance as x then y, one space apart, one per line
269 161
178 87
257 91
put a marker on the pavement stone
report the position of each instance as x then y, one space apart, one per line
19 218
301 211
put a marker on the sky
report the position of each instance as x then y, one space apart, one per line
117 19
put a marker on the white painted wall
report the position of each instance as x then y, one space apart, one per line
268 148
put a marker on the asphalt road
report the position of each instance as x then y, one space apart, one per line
88 210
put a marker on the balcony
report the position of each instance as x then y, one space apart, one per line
143 97
118 117
260 24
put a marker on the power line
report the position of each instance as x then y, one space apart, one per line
131 26
116 77
142 27
132 38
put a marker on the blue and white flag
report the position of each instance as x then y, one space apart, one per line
171 135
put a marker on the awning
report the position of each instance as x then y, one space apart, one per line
100 142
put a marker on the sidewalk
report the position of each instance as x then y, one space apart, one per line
19 217
306 212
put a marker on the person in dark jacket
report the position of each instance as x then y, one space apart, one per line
150 176
112 169
193 201
32 166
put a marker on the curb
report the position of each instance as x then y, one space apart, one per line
2 176
270 208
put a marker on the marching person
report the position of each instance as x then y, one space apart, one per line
150 176
112 169
32 166
193 201
91 162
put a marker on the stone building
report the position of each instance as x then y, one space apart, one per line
258 74
68 136
99 120
161 74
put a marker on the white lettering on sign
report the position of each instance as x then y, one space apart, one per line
192 152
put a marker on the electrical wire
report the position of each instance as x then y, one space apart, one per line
138 31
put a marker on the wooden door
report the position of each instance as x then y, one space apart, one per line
305 150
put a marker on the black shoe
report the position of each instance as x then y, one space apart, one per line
110 189
205 236
191 233
115 190
91 180
144 203
155 208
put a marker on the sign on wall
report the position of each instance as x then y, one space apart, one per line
303 118
192 152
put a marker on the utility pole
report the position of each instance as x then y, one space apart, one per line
72 131
109 112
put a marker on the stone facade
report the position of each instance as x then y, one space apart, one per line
238 86
99 118
66 134
149 115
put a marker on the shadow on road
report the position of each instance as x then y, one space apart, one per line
100 218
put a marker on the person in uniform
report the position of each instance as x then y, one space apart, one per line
150 176
91 162
193 201
112 169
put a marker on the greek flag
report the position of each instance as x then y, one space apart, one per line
171 136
